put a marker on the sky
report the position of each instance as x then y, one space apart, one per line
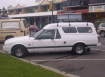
6 3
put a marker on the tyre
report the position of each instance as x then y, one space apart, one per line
79 49
19 51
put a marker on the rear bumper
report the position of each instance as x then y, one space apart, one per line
95 46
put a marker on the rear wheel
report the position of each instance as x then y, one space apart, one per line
79 49
19 51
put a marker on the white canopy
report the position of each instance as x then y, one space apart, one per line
33 14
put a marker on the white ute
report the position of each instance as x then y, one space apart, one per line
76 37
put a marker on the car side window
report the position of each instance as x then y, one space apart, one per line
69 30
46 34
10 25
84 29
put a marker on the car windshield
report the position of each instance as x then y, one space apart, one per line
37 33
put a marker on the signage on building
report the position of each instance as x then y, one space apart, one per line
98 8
70 17
47 1
74 11
81 11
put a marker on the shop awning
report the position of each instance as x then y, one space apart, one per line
33 14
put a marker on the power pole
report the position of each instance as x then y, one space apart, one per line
52 12
51 7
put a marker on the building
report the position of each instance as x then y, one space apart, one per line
91 10
40 13
96 10
76 5
46 11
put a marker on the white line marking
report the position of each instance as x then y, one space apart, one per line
69 60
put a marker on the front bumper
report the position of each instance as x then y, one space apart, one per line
7 49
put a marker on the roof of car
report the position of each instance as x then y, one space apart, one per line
67 24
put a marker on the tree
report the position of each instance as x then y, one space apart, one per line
4 12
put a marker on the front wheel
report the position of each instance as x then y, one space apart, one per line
19 51
79 49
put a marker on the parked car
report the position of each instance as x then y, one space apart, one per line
76 37
101 29
10 28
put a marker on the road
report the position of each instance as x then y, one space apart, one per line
89 65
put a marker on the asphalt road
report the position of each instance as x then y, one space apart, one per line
89 65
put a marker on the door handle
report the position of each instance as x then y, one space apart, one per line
64 42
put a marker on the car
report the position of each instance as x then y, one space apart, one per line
101 29
10 28
76 37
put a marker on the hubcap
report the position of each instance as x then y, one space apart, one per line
79 50
19 52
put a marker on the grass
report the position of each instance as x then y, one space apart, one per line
12 67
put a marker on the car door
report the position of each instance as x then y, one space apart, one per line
61 42
43 42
